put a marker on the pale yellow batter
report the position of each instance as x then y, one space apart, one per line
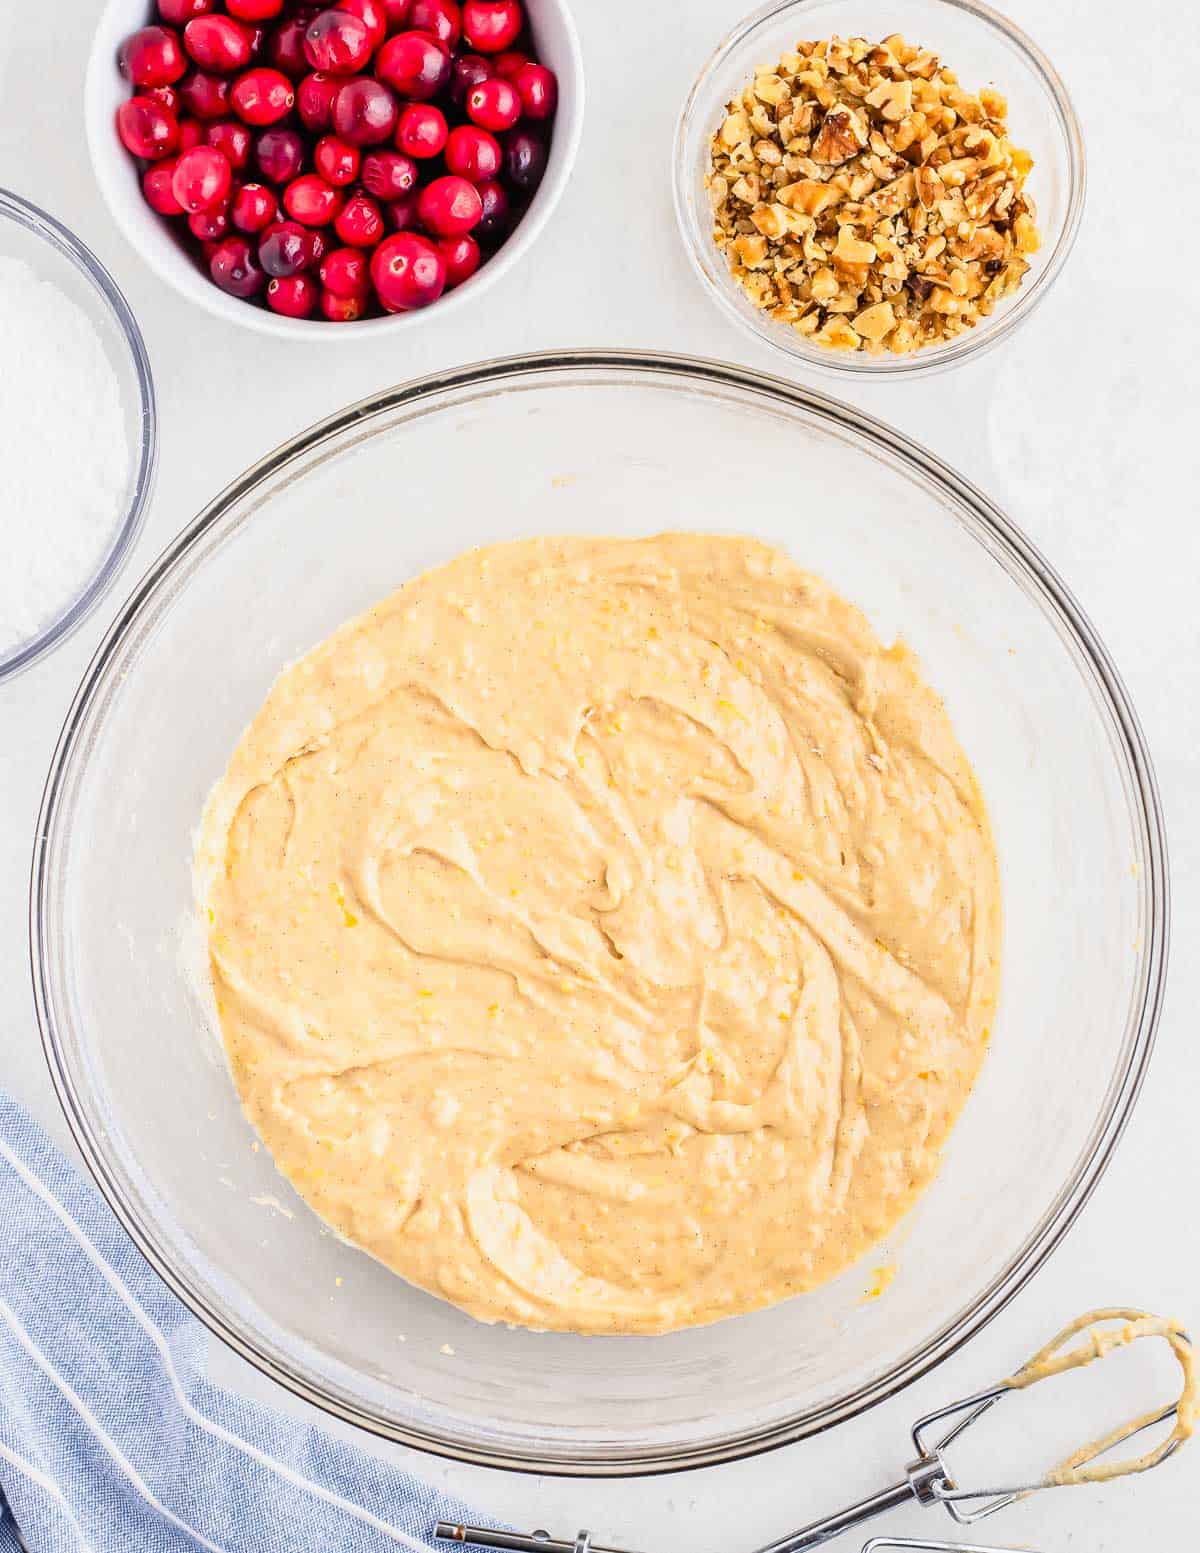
605 932
1103 1332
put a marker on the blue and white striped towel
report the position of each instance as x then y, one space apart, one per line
111 1438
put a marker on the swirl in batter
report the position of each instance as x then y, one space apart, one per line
604 932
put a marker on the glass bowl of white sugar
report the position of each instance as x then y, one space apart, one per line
78 432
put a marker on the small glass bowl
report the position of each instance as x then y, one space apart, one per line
57 255
983 48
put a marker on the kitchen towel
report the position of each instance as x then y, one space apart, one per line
111 1438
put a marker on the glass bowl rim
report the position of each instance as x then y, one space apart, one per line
431 392
918 363
40 223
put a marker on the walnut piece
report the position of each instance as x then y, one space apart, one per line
867 200
842 135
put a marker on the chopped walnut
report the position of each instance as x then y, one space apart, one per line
877 322
893 99
866 199
851 250
842 135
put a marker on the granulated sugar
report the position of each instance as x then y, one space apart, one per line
65 460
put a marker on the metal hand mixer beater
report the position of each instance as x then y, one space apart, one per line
928 1480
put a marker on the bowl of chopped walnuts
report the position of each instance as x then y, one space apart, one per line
871 201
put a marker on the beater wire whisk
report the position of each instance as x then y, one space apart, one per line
928 1479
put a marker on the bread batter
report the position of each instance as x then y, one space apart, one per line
604 932
1103 1332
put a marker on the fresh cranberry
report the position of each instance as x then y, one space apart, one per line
407 271
262 96
254 10
152 57
191 133
402 213
314 100
341 310
537 88
462 258
201 179
257 36
472 153
388 175
493 224
467 71
157 190
279 154
317 248
509 62
177 13
232 140
359 223
371 13
365 112
449 207
234 269
295 296
494 104
441 19
205 95
147 129
524 160
210 225
254 208
311 200
490 26
396 12
413 64
345 272
285 49
336 161
422 130
165 96
217 43
285 248
337 42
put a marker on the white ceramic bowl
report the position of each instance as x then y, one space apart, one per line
587 442
120 183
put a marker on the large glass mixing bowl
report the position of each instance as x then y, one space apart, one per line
623 444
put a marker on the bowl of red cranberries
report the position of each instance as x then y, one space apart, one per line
295 165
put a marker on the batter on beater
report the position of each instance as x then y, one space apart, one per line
604 933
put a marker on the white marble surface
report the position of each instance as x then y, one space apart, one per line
1084 426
